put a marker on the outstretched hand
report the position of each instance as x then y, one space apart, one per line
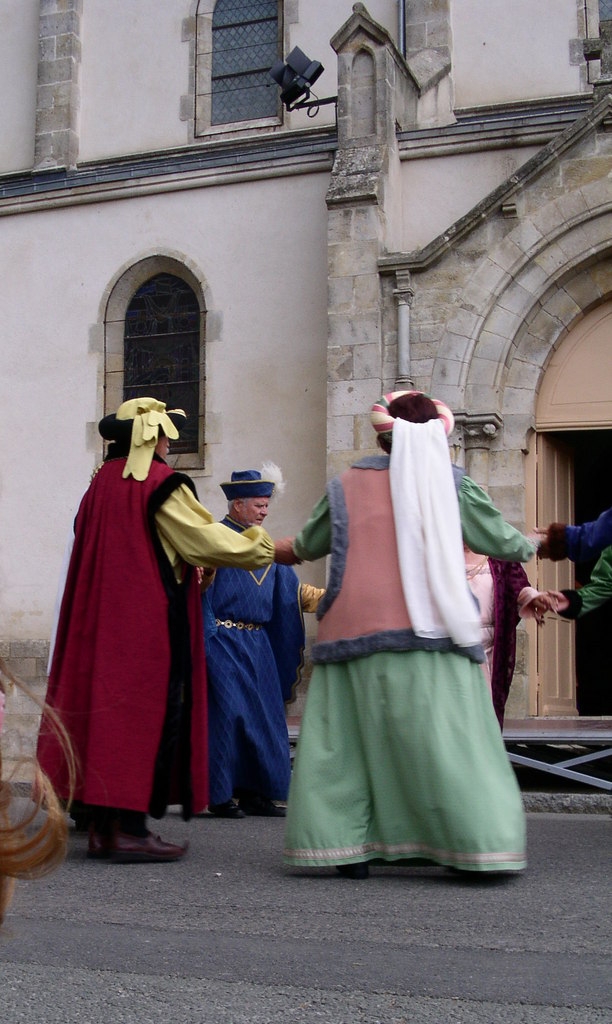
284 553
560 603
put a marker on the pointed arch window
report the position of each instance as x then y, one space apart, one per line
161 356
245 44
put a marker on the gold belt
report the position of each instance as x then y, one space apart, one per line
239 625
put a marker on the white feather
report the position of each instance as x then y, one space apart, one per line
270 471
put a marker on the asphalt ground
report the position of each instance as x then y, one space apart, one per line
229 935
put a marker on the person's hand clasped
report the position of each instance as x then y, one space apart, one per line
284 553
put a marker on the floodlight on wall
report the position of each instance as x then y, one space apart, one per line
295 76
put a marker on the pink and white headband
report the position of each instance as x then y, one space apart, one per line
382 421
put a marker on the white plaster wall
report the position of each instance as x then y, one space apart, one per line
446 188
18 72
512 51
135 69
266 274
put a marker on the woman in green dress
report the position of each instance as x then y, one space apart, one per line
400 756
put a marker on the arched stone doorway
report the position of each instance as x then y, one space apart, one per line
573 446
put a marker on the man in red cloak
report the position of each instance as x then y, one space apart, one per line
128 675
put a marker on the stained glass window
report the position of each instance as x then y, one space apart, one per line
245 36
162 351
605 10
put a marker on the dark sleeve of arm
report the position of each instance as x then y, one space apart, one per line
588 540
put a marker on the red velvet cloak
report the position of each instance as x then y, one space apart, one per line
128 677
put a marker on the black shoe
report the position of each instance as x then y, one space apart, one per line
359 871
227 810
261 806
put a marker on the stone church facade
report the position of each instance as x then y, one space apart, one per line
443 222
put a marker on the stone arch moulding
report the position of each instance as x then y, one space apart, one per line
523 297
112 318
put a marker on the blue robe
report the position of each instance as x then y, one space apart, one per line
251 673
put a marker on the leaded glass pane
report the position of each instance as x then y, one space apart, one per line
162 350
605 10
245 46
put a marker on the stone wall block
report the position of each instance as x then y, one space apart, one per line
510 499
599 231
340 224
533 279
577 173
341 294
47 49
501 321
597 194
517 429
340 434
505 465
549 219
367 224
552 260
584 289
361 329
351 398
491 346
489 277
351 259
517 399
535 348
366 289
340 362
422 370
366 361
338 461
55 71
576 243
448 372
479 398
59 24
573 206
456 346
508 255
523 374
515 300
563 307
526 236
365 438
466 322
602 277
482 371
68 46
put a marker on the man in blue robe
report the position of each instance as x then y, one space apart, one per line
254 638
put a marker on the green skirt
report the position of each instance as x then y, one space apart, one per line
400 757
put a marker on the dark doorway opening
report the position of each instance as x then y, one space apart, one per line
592 494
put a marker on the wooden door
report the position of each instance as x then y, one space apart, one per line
556 671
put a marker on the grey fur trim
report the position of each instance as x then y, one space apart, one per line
338 513
390 640
372 462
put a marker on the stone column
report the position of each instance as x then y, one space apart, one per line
58 93
363 207
404 294
478 432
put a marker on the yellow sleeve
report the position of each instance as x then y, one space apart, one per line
189 533
310 597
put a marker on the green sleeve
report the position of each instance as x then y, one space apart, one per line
314 540
484 528
599 588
